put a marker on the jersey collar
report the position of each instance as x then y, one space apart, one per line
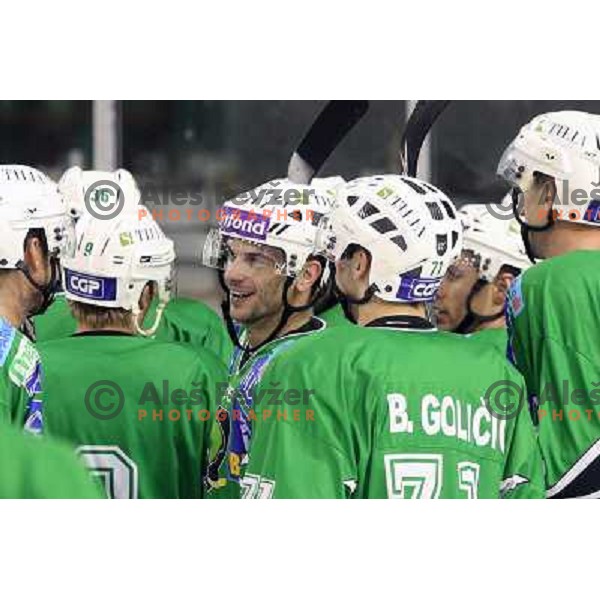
402 322
315 324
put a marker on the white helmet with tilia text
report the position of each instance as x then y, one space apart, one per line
410 228
115 259
566 146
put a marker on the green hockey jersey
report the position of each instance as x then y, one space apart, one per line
497 336
33 467
21 380
553 313
393 410
335 317
232 429
192 322
138 410
184 320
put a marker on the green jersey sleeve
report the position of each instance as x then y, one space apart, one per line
21 378
524 475
41 468
552 316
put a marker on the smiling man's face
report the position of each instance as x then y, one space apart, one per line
253 275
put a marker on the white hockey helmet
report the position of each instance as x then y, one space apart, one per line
410 228
115 259
280 214
494 242
108 192
566 146
30 200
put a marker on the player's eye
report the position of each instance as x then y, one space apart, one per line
256 259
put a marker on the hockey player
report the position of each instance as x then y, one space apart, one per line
41 468
399 409
473 292
269 248
34 232
184 320
138 410
554 308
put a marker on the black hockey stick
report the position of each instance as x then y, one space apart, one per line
329 129
418 126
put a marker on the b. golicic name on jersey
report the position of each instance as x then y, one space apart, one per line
450 417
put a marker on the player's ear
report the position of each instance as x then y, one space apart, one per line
362 266
308 276
147 295
36 258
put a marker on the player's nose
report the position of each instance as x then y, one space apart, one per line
234 272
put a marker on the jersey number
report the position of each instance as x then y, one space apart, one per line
255 487
420 476
118 472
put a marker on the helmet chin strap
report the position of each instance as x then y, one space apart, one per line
472 320
346 301
157 317
526 228
47 290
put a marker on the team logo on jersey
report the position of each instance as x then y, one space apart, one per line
511 483
246 224
90 286
417 289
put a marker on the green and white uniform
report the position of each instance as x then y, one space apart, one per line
21 380
553 314
138 410
393 416
237 410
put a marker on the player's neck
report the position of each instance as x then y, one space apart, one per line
376 309
84 328
563 238
258 333
499 323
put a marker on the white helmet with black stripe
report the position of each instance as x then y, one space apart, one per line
279 214
410 228
115 259
30 202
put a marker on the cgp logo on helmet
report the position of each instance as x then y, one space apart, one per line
417 289
104 199
91 287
